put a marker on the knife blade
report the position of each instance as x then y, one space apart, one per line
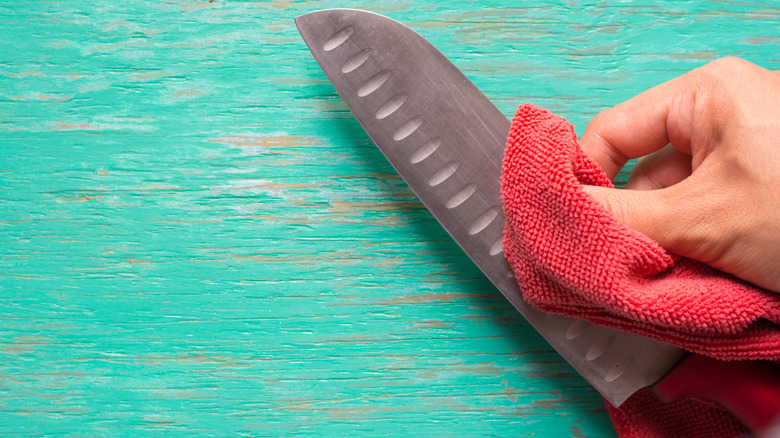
446 139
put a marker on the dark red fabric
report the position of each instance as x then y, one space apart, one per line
572 257
644 416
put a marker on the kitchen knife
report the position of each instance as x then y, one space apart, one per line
446 139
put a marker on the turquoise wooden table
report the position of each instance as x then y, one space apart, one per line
197 239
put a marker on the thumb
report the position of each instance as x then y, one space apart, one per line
646 211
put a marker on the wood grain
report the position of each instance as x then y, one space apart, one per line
196 238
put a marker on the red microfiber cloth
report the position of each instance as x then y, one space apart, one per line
572 257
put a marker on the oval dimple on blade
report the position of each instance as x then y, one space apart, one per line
482 222
390 106
356 61
373 83
619 368
576 328
407 128
599 347
443 174
338 38
425 151
497 247
461 197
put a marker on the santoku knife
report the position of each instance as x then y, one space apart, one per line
446 139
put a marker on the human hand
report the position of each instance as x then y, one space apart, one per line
708 187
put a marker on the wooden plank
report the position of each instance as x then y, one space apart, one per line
197 238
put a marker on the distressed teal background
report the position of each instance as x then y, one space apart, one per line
196 238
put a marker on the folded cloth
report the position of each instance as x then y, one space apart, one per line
572 257
644 416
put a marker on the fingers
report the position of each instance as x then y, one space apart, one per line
687 218
642 125
654 213
707 186
642 210
663 168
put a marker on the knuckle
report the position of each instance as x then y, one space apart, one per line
727 67
727 63
722 72
595 126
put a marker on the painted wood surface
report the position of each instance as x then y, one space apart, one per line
196 237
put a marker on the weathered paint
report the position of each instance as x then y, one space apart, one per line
198 239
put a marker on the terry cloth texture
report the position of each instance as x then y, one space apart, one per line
644 416
572 257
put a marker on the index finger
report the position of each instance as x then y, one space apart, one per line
642 125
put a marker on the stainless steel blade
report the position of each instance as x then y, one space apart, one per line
446 139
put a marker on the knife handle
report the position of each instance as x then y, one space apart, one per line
749 389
